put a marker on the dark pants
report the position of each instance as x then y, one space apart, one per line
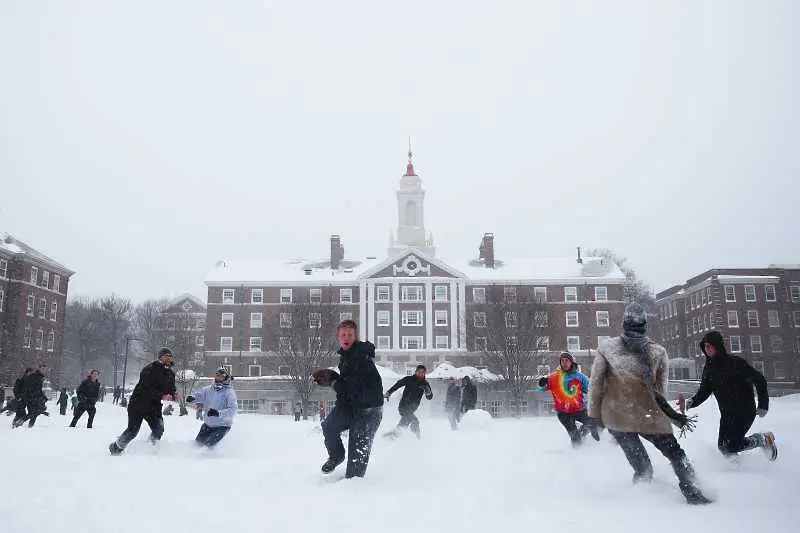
79 410
297 417
732 429
667 444
408 418
362 423
21 413
135 418
569 420
35 408
62 408
453 415
208 436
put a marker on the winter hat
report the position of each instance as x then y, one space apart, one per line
567 355
164 351
635 318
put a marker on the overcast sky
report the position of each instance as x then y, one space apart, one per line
140 143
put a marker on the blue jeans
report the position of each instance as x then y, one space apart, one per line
208 436
363 424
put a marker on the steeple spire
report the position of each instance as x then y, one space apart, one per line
410 166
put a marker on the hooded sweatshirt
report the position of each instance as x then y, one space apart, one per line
731 380
223 399
359 384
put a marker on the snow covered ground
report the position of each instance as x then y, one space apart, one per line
511 475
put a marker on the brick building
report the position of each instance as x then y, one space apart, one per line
181 327
757 310
415 306
33 297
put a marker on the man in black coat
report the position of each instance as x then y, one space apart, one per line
731 379
469 395
88 394
32 395
156 383
414 387
359 402
452 403
20 413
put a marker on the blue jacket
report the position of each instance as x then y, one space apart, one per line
223 400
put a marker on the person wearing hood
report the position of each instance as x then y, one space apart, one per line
88 394
413 388
359 402
731 380
626 394
219 402
570 389
63 399
469 395
156 383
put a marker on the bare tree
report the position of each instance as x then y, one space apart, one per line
85 338
116 312
305 332
146 323
185 379
635 289
516 336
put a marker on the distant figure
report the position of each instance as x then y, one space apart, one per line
570 390
63 398
321 410
88 394
33 395
469 395
117 394
198 411
220 400
21 413
452 403
413 388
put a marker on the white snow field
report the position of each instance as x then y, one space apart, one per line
507 475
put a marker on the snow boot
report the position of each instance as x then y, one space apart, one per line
695 497
114 448
331 464
770 448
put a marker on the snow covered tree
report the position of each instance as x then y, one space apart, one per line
185 381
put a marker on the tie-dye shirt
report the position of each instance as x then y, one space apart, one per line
570 390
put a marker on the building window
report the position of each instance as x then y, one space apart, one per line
255 344
694 324
480 344
383 318
345 296
479 320
3 268
256 320
440 293
752 318
711 320
773 318
284 344
56 282
384 293
736 344
603 320
171 324
226 344
541 319
315 320
51 341
34 279
572 319
228 296
749 293
705 323
314 296
511 319
776 343
286 320
703 297
254 371
730 293
412 343
53 310
780 372
39 339
769 293
601 294
27 340
440 317
543 343
540 294
794 293
46 280
795 314
384 342
256 296
755 344
2 299
510 294
42 308
345 316
286 296
442 342
200 340
227 320
411 293
601 339
733 319
573 343
511 344
570 294
479 295
412 318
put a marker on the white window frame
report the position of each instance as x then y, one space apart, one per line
772 343
736 343
730 298
254 371
384 342
27 338
573 343
479 295
511 319
256 320
795 317
409 339
287 296
2 299
34 275
440 293
752 318
540 295
543 343
773 318
228 296
46 279
200 340
314 320
541 319
572 314
749 293
284 343
314 295
51 341
601 294
756 346
570 294
3 268
225 318
479 319
43 308
383 293
345 315
440 317
442 342
285 320
256 296
223 341
405 314
603 319
510 294
418 291
383 318
512 344
770 295
53 310
480 344
39 340
794 293
346 296
56 283
256 342
733 319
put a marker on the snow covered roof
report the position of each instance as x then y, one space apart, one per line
746 278
543 269
287 272
447 371
12 245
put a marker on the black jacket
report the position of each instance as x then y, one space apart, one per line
32 388
469 396
359 385
88 392
453 398
731 379
412 393
155 381
18 386
63 398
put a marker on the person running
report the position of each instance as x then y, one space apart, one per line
88 394
414 387
219 402
20 414
452 403
570 390
63 399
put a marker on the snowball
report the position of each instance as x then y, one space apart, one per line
475 420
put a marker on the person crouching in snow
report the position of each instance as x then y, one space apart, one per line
219 401
731 379
626 391
570 388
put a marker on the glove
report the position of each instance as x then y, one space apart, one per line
212 412
543 381
325 377
429 396
761 412
594 425
189 399
685 423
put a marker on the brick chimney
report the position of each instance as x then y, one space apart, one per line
337 252
486 250
580 259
